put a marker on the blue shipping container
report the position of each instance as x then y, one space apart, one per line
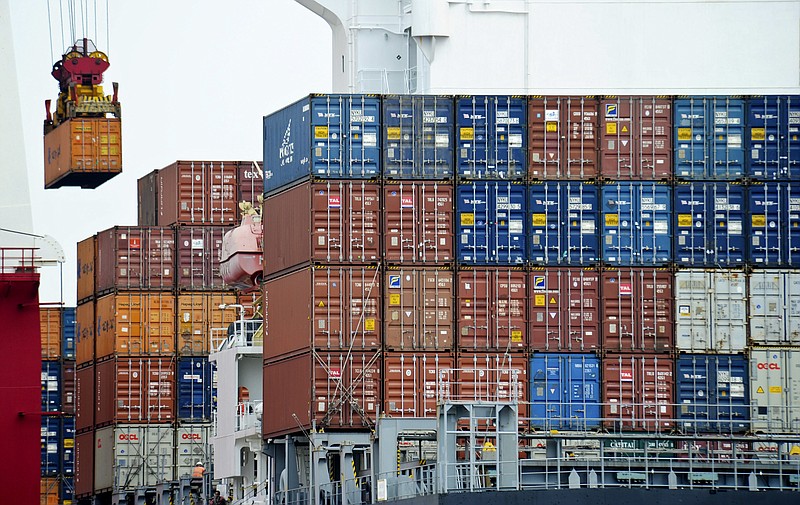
709 138
773 137
67 490
492 137
709 224
68 330
51 386
67 445
327 136
565 391
713 393
637 221
491 223
51 442
563 225
774 226
196 389
418 137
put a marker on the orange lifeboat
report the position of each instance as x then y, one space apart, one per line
241 259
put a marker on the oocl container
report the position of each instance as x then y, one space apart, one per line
84 327
50 326
773 137
83 152
131 456
196 392
774 307
710 311
199 193
51 386
492 309
191 445
418 222
562 137
130 257
418 309
565 391
412 382
637 223
638 392
713 393
68 332
418 138
87 249
198 251
200 318
134 390
775 390
774 225
135 323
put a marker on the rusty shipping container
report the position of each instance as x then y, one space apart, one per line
493 377
132 390
68 387
132 257
83 152
412 382
87 250
135 323
324 308
565 309
84 338
198 251
84 464
636 138
200 318
636 305
418 222
418 309
336 390
198 192
84 399
562 137
638 392
50 322
331 222
492 309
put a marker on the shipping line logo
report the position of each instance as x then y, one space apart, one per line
286 150
53 154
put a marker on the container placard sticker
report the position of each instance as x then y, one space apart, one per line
334 202
626 375
394 282
625 289
406 202
539 282
612 110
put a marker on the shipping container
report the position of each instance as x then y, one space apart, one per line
48 491
250 182
492 137
130 390
130 258
128 456
147 199
84 464
713 393
196 389
637 223
51 386
493 377
773 137
198 250
418 222
87 250
775 390
633 448
50 325
200 319
198 193
774 307
636 138
85 399
135 323
711 311
562 137
67 448
774 225
68 332
84 327
492 309
637 309
335 390
68 392
709 137
491 223
331 222
192 445
418 309
709 224
413 382
418 137
565 309
326 136
324 308
564 223
713 450
83 152
67 490
565 391
638 392
51 444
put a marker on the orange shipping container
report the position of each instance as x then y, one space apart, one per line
86 256
83 152
84 345
48 491
135 323
200 318
50 324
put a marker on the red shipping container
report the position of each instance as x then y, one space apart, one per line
87 250
131 390
412 382
492 309
565 309
251 181
84 399
198 192
68 392
562 137
329 222
638 392
418 307
494 377
84 464
636 304
132 257
50 322
84 333
418 222
336 390
198 252
636 138
325 308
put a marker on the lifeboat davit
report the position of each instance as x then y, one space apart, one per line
242 256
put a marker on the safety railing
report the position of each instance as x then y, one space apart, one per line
248 415
18 260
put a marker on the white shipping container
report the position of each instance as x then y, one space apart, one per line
133 455
775 390
191 443
775 307
710 311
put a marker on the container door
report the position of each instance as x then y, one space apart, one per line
363 137
436 298
365 295
474 223
329 303
579 220
727 145
731 393
50 439
363 223
767 298
583 394
653 245
435 223
327 129
68 334
402 315
766 129
726 224
728 325
191 442
51 386
767 226
619 218
690 138
693 312
546 223
472 116
67 445
399 135
793 221
510 213
194 389
433 151
793 308
548 388
768 381
158 459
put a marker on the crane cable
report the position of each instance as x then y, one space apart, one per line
81 20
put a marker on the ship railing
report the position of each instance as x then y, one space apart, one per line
18 260
248 415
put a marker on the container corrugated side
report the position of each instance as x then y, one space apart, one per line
48 491
131 390
565 391
638 392
564 309
562 137
412 382
775 390
774 225
51 386
713 393
636 224
85 399
147 199
131 456
492 310
250 182
198 193
50 324
87 250
774 316
84 327
83 152
494 377
418 222
68 333
490 227
418 137
135 323
84 464
192 444
195 388
418 309
198 252
772 139
131 257
200 320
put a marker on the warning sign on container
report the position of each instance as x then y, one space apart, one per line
759 220
369 324
758 134
760 389
684 220
612 219
684 134
516 335
551 127
394 299
538 300
539 219
467 133
467 219
611 128
393 133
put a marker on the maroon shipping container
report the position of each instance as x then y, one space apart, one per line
494 377
329 222
251 181
325 308
418 222
336 390
68 392
636 138
198 252
492 309
638 392
418 308
87 249
84 399
562 137
410 382
134 258
714 450
135 390
636 304
198 192
84 464
147 195
565 309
